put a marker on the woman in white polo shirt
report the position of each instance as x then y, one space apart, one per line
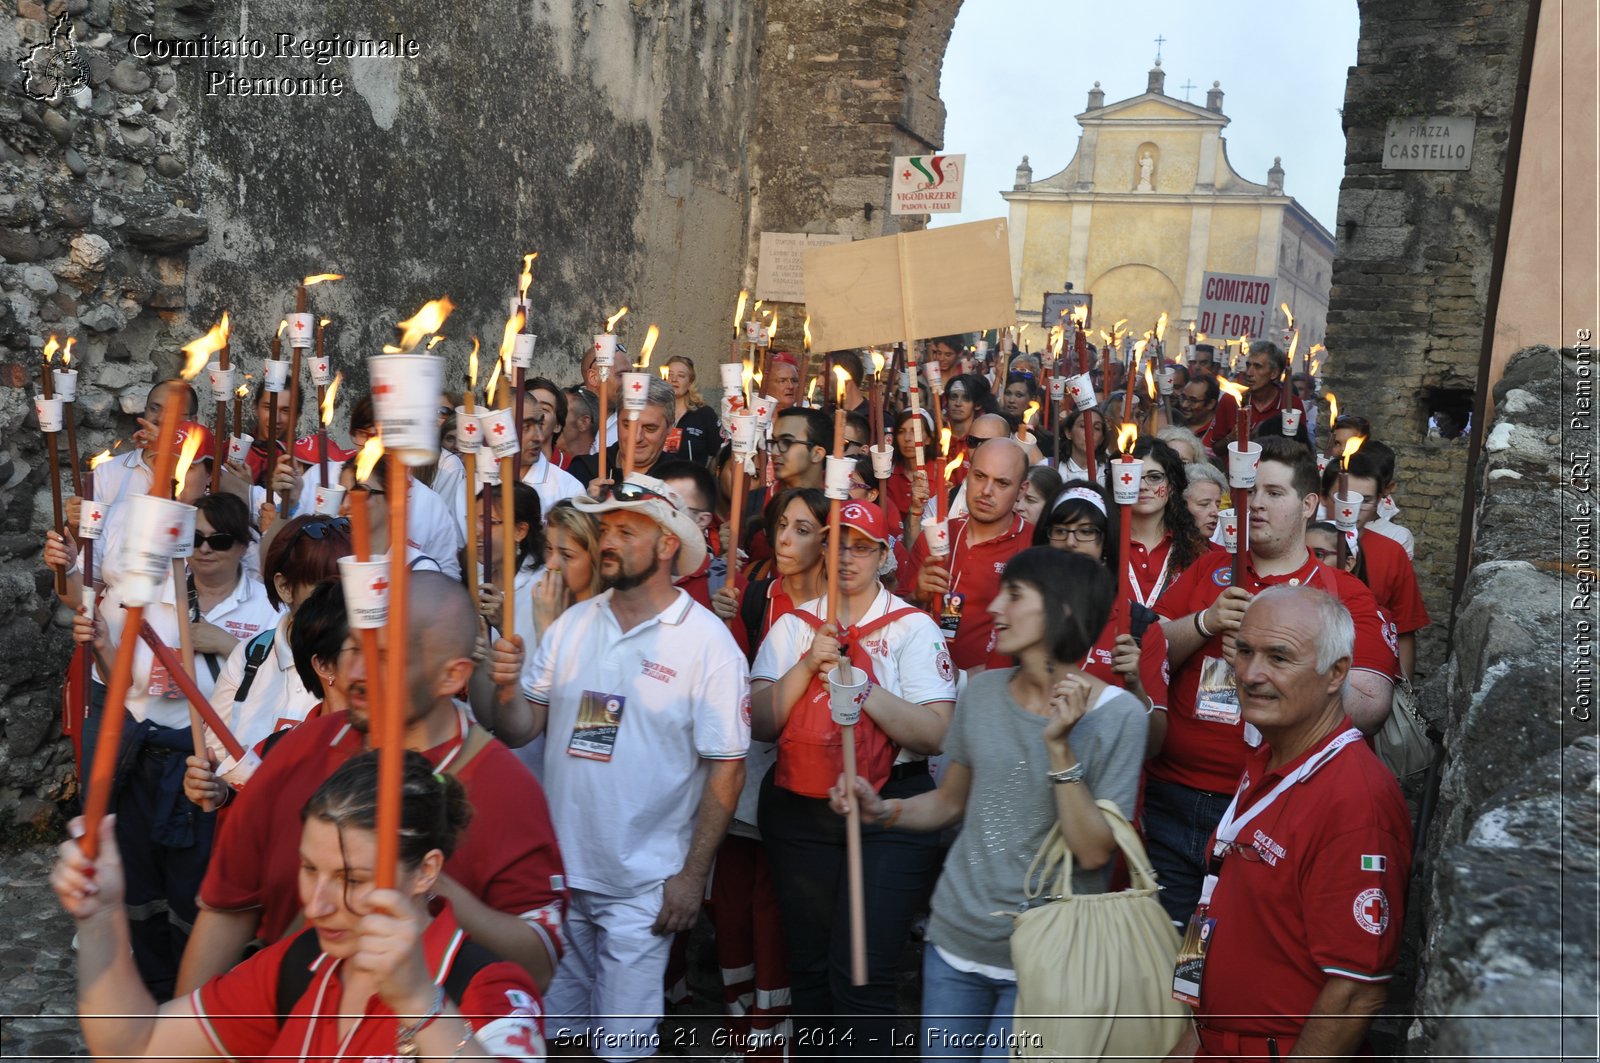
907 709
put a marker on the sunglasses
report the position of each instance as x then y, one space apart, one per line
218 541
318 530
631 492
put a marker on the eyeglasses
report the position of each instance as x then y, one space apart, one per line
862 550
1062 533
632 492
218 541
1153 479
319 529
781 444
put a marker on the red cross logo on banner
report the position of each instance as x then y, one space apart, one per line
499 429
905 175
380 585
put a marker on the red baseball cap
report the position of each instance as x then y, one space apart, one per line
865 518
783 357
305 449
208 443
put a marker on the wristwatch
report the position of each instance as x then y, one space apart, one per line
405 1041
1067 775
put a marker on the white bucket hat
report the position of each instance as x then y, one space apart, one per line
652 498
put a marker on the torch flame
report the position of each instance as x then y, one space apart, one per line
508 338
425 322
281 326
1351 445
811 391
472 365
844 378
1127 435
1238 391
526 279
755 310
1161 327
367 460
320 277
66 352
200 351
652 334
50 349
1150 380
1244 345
953 464
1287 314
611 322
877 362
756 379
1294 341
1080 315
663 372
738 313
944 440
99 460
494 380
807 332
1333 408
435 342
1033 408
327 401
191 447
1199 337
774 322
325 322
242 390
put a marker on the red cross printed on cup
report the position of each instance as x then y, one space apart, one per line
1127 479
1347 513
636 387
94 514
499 429
380 585
173 532
383 389
1229 530
470 429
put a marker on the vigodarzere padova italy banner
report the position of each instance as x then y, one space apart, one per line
927 184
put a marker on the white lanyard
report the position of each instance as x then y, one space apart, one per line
1229 826
1155 592
461 743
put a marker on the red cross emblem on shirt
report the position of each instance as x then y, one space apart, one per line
524 1040
1127 478
380 585
499 429
1375 910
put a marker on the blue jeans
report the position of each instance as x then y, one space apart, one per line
1178 822
964 1016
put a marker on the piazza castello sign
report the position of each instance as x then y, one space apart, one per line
1436 143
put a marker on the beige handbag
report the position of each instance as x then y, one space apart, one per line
1094 972
1403 742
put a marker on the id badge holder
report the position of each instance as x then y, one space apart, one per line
1217 699
594 736
950 614
1189 973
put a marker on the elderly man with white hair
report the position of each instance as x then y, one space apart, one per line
1301 914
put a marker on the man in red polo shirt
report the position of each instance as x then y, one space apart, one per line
966 581
1189 782
505 880
1201 402
1303 908
1263 379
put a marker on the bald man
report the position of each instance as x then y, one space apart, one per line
960 586
505 879
984 428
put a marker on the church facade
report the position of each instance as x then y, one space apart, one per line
1148 205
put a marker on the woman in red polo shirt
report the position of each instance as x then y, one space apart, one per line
386 972
1164 539
905 489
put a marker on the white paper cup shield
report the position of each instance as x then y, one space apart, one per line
302 330
1080 389
1228 521
1058 389
605 349
846 699
366 592
238 448
635 390
50 412
327 500
92 518
742 433
488 468
499 428
154 527
882 461
764 407
752 330
321 371
836 477
937 532
935 374
522 350
1347 510
1291 422
405 399
223 381
1125 478
764 337
732 376
1165 378
66 384
1242 464
184 546
275 374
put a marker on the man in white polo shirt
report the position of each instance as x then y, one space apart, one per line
645 701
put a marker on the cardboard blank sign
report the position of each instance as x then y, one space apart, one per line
910 286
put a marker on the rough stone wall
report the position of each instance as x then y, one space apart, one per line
1508 883
1410 283
610 137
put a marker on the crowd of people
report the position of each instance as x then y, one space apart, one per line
651 748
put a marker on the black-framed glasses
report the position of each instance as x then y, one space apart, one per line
1079 533
781 444
218 541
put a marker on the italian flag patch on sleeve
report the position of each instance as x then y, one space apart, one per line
1373 863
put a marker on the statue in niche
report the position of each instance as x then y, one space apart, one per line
1147 163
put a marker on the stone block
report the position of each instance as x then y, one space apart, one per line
102 317
91 251
130 76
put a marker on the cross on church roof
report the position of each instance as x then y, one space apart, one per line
1160 40
1187 87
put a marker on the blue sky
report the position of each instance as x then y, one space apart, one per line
1008 93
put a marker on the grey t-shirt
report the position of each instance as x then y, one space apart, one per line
1011 806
